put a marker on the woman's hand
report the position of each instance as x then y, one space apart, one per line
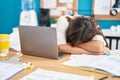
106 50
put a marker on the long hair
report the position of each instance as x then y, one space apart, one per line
82 29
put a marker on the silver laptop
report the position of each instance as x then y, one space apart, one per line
39 41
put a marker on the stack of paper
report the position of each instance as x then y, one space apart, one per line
115 52
41 74
7 70
110 64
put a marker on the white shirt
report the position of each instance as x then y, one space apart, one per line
62 25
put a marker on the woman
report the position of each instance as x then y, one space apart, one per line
82 30
89 46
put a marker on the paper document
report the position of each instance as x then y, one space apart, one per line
15 40
110 64
49 4
40 74
115 52
8 70
102 7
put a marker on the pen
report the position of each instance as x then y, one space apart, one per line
109 77
104 78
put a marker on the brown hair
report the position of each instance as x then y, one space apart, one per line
82 29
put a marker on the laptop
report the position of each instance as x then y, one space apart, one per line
39 41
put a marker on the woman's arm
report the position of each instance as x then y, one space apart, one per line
95 46
67 48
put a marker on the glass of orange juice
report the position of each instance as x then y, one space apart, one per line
4 44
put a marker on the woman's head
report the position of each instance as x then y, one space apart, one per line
81 30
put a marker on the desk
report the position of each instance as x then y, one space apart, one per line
112 36
52 64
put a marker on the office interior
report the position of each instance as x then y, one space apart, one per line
10 20
10 15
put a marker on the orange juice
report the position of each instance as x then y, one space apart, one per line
4 44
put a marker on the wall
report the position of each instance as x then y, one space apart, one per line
85 8
9 15
10 12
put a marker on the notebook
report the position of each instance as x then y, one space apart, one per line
39 41
102 63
